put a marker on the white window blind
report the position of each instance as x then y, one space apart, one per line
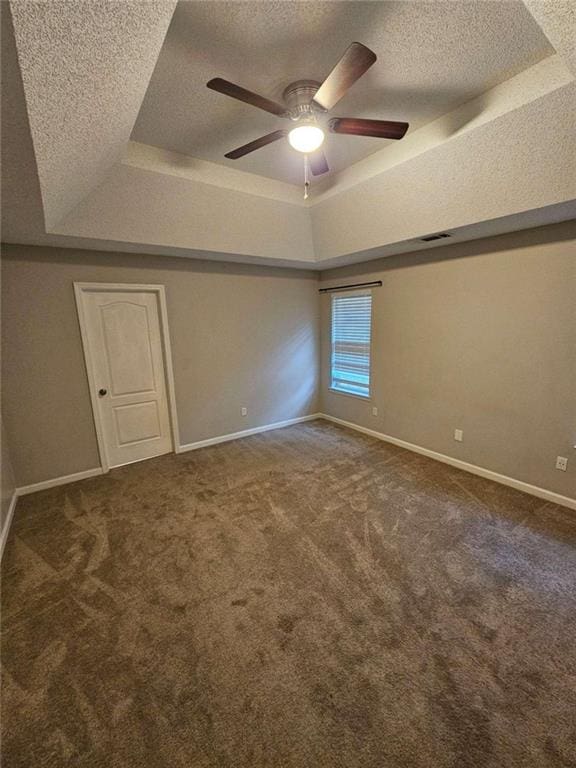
350 359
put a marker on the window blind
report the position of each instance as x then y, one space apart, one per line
350 359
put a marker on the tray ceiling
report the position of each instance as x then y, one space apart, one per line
489 88
432 57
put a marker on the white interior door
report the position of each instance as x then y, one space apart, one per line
127 365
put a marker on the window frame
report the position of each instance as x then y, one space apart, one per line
358 292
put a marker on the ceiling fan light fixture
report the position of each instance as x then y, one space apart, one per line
303 100
306 138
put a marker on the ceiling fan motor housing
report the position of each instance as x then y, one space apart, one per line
304 101
297 97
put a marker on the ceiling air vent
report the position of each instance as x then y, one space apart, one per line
439 236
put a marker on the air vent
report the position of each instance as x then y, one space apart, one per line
439 236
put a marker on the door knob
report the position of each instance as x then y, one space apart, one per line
102 392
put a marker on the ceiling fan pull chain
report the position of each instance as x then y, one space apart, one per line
306 177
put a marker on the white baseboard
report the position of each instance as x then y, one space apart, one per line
489 474
519 485
246 433
7 522
64 480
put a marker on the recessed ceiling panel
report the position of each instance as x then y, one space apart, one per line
431 58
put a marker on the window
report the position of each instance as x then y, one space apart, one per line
350 358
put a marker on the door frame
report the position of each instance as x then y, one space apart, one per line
80 289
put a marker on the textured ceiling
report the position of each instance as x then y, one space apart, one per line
85 67
74 75
431 58
558 19
22 208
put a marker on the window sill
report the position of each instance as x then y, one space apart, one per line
350 394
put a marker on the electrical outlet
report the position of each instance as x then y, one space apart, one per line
458 435
244 411
374 411
561 463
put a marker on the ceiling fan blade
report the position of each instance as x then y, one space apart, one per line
236 92
356 60
318 163
256 144
357 126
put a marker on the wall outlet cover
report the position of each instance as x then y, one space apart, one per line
458 435
244 411
561 463
374 411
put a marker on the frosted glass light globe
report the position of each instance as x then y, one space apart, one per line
306 138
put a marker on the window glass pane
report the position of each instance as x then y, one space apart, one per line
351 325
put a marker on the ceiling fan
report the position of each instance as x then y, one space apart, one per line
305 100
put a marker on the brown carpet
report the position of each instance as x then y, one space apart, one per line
302 598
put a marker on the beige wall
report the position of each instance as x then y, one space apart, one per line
7 478
479 336
241 336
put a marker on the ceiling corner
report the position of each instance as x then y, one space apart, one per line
85 69
557 20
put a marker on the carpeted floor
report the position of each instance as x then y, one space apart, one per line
302 598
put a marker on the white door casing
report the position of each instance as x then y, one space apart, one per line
127 351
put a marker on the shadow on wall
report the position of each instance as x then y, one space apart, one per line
294 360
